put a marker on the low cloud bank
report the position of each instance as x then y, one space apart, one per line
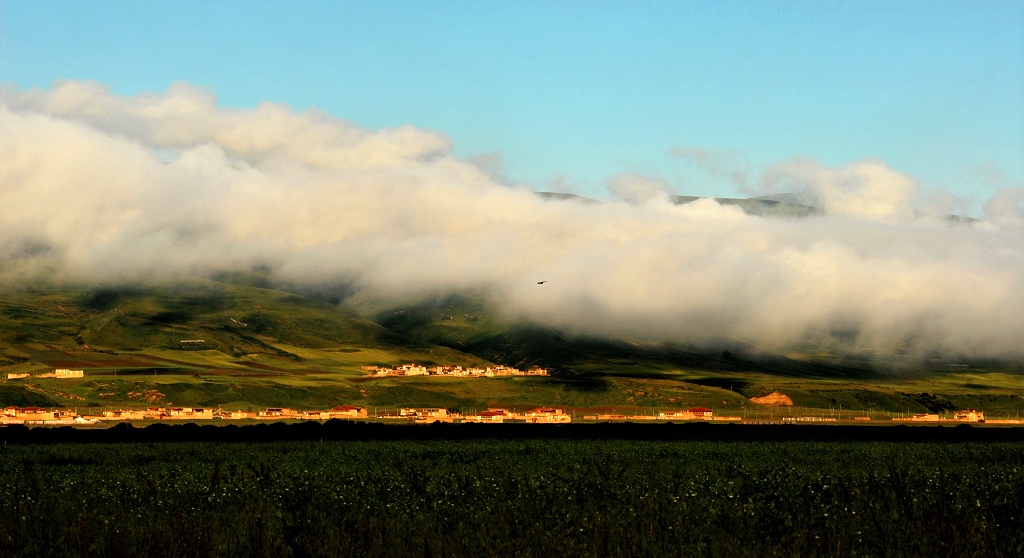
97 186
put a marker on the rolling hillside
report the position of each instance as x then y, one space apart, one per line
270 347
236 343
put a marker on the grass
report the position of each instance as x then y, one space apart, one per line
535 498
266 347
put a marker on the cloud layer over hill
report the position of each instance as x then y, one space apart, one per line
97 186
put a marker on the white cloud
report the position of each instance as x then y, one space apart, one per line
638 188
730 167
85 191
1006 207
865 189
187 116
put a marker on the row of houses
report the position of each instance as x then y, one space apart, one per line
552 415
58 373
967 415
539 415
696 413
705 414
401 370
419 370
41 416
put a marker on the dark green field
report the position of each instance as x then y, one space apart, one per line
512 498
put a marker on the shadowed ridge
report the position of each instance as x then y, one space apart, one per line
562 196
753 206
761 207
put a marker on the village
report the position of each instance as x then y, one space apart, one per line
455 371
58 373
38 416
539 415
372 371
966 415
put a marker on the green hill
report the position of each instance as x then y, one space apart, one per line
728 374
239 344
273 347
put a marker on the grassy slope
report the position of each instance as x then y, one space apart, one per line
261 347
609 372
266 347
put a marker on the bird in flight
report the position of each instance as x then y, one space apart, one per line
541 282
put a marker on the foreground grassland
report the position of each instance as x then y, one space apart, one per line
263 347
513 498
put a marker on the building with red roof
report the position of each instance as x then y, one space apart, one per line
701 413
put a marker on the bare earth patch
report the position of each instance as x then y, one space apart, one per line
54 392
150 395
773 398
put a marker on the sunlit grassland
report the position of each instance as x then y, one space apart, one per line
265 347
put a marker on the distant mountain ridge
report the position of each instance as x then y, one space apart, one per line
784 205
764 206
563 196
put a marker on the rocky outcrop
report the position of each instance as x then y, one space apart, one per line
773 398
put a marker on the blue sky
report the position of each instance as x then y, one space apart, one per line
575 92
